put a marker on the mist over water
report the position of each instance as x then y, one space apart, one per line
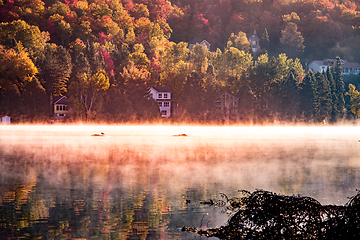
139 177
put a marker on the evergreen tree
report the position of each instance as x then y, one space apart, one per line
334 97
55 68
309 99
290 100
339 90
96 61
324 95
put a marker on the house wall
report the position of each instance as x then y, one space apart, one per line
60 110
316 67
346 69
164 101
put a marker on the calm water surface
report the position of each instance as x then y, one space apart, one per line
141 182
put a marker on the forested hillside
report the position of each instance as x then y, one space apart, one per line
105 54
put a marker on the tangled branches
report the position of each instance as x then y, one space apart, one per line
266 215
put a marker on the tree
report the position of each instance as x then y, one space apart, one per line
289 98
309 98
60 30
31 38
291 37
354 100
339 86
334 97
199 57
174 66
133 83
89 90
239 41
325 99
87 87
18 81
55 70
16 68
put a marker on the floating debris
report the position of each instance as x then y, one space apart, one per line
98 134
266 215
181 135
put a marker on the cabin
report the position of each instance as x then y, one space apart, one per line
60 108
349 68
227 105
162 96
254 41
200 41
5 120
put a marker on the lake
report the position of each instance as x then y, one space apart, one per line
142 182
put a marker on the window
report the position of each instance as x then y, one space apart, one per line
165 95
160 95
160 104
163 112
166 104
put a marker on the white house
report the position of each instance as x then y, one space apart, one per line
163 97
200 41
349 68
5 120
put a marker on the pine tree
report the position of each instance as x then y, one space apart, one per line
334 97
324 96
339 90
309 99
55 69
291 99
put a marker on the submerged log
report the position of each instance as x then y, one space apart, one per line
266 215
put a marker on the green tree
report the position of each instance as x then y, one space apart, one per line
354 100
87 87
292 38
55 69
199 57
89 90
289 98
174 66
334 97
325 98
339 86
309 97
31 38
133 83
239 41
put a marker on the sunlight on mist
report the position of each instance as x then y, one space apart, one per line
291 160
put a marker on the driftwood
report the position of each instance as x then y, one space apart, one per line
266 215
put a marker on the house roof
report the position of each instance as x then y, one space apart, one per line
60 100
226 92
344 63
162 89
196 40
253 36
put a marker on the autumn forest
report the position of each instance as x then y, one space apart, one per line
105 54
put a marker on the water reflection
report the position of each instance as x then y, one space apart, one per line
139 182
